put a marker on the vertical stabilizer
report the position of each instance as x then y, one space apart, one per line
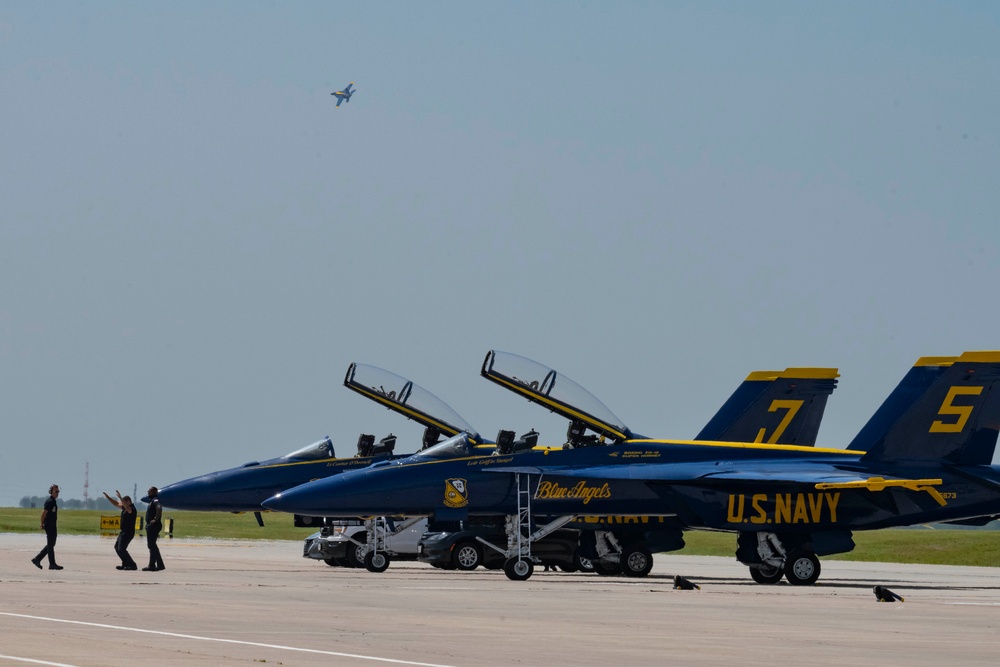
774 407
955 421
913 385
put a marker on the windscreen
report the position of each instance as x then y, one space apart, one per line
452 448
314 452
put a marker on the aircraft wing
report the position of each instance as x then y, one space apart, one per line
340 98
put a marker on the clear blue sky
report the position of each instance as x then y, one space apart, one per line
654 198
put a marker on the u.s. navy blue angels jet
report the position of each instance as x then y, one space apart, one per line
927 461
345 94
242 489
773 406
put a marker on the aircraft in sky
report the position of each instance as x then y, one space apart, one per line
927 460
345 94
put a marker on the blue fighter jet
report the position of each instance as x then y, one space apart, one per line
773 406
345 94
927 460
244 488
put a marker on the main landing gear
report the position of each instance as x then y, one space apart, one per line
632 560
800 566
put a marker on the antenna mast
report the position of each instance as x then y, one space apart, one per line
86 483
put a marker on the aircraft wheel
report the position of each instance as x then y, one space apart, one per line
518 570
332 562
582 563
766 574
356 553
606 570
467 556
376 561
636 561
802 568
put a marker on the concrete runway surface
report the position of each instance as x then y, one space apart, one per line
234 603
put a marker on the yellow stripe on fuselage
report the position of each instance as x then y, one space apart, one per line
746 445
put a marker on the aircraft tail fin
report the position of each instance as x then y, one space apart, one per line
956 420
913 385
774 407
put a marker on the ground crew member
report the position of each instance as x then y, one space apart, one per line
127 532
48 524
154 514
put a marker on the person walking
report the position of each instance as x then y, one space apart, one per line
127 529
48 524
154 515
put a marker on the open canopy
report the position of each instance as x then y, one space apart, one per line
543 385
408 399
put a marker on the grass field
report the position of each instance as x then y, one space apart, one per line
915 545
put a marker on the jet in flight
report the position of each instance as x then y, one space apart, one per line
345 94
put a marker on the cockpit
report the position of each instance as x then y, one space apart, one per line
454 447
314 452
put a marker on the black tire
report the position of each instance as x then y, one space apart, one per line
636 561
332 562
582 563
376 561
518 570
353 558
766 574
802 568
567 567
606 570
467 556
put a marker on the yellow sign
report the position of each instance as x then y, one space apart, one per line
112 524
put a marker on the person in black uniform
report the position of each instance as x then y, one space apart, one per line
48 524
127 532
154 514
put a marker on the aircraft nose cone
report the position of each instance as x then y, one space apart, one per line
288 501
354 493
145 499
197 493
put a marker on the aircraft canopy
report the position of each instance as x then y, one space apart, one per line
541 384
409 399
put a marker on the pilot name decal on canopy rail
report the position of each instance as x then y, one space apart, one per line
783 508
555 491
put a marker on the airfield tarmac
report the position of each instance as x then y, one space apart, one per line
233 603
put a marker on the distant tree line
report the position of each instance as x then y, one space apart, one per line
101 503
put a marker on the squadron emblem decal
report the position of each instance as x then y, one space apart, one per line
456 493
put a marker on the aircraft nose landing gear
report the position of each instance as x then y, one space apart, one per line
518 569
